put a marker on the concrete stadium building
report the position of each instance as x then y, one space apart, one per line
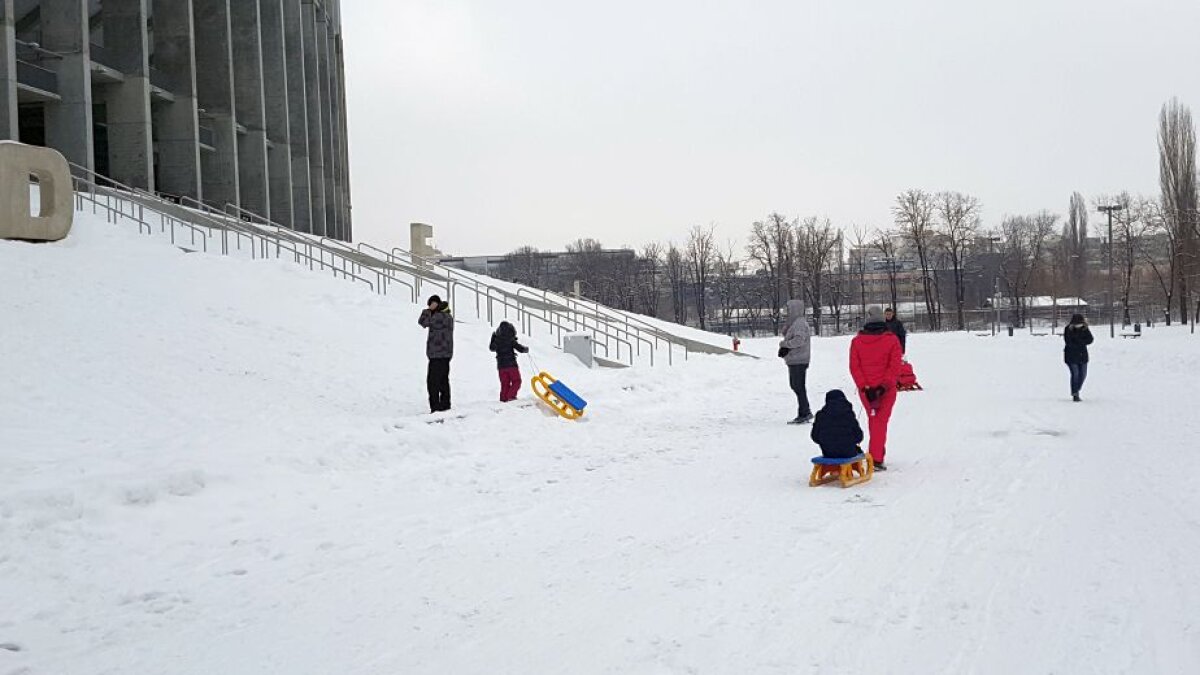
230 102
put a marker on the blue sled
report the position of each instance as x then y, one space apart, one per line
569 397
838 461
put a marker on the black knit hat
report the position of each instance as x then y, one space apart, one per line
432 299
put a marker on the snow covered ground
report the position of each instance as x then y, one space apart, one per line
219 466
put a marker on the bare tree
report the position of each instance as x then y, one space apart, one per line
676 269
700 256
650 278
586 262
816 242
885 243
1177 180
839 283
858 264
771 247
1021 255
1073 251
727 272
914 216
526 265
1161 259
756 291
1130 226
959 215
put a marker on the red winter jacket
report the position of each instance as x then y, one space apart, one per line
875 357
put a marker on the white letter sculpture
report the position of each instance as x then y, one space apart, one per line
18 164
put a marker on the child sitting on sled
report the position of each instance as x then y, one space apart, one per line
836 428
504 343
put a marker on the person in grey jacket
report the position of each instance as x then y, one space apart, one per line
796 351
439 349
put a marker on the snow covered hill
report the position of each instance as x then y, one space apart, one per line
210 465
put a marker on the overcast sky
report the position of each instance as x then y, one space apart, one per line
506 122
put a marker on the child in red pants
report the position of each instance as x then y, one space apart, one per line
504 343
875 355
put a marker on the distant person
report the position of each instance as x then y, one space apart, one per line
875 356
439 349
796 351
1076 338
504 343
836 428
896 327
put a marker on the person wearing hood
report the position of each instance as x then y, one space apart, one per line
875 356
896 326
796 351
439 349
504 344
836 428
1076 338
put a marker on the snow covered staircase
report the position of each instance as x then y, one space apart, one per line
618 338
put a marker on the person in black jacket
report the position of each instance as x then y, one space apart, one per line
504 343
896 326
439 349
836 428
1076 338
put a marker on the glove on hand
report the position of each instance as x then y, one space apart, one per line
783 352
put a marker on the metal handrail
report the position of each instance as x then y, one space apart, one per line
348 262
163 218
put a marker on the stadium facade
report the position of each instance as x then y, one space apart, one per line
228 102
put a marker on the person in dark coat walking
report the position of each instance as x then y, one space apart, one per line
836 429
896 327
1076 338
439 349
504 343
796 351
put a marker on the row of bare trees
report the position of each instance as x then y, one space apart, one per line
937 242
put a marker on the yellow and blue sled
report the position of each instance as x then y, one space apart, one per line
558 396
848 471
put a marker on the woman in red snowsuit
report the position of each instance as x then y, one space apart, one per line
875 355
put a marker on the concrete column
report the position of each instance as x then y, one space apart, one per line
175 123
130 137
297 99
347 202
316 115
253 178
9 128
275 85
333 168
333 223
69 121
214 89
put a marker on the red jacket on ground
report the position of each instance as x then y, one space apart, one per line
875 358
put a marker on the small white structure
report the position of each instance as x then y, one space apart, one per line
580 346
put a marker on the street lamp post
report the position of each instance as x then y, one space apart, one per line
1110 210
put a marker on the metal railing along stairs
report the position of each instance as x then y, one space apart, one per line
234 231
